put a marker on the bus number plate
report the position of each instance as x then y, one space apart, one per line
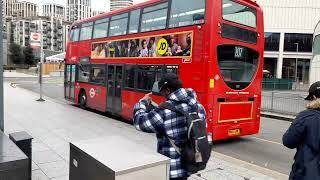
234 132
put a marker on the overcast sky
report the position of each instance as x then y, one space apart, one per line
96 4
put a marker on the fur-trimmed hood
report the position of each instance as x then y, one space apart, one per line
315 104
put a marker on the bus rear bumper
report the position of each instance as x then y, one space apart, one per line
228 131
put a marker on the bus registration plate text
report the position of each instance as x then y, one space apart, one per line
234 132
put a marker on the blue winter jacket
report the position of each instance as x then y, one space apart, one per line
304 135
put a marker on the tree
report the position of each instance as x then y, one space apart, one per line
16 54
28 55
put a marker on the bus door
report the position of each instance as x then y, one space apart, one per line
114 86
70 78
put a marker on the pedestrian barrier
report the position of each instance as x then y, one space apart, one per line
283 102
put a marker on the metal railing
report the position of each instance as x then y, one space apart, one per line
287 103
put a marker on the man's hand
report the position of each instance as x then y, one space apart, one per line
147 97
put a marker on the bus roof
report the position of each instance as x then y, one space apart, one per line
108 14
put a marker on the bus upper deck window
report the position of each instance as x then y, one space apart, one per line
186 12
74 34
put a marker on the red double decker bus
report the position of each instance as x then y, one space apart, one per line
215 46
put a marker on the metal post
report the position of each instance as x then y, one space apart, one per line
272 101
1 71
40 64
296 70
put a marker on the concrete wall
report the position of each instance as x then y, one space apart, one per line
291 15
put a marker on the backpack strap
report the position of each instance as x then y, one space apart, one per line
171 107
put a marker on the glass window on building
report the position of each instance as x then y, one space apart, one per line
187 12
294 42
154 17
271 41
270 67
289 69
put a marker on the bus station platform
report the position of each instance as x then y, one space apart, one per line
54 124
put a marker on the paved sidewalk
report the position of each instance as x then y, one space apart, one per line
53 124
14 74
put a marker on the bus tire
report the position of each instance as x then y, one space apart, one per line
82 99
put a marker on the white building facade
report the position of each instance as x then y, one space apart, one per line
55 31
118 4
78 9
24 9
289 27
8 7
54 10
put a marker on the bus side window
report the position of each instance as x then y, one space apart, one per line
97 75
118 25
130 76
154 17
148 76
74 34
86 31
101 28
84 73
134 21
186 12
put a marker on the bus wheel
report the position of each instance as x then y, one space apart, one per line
82 100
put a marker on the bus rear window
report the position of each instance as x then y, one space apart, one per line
187 12
238 13
238 65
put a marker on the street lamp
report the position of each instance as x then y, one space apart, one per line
296 71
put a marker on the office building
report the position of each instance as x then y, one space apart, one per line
78 9
24 9
118 4
289 27
53 10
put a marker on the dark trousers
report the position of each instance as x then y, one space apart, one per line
182 178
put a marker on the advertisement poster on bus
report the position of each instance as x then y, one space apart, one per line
172 45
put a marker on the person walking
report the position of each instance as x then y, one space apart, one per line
170 127
304 135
